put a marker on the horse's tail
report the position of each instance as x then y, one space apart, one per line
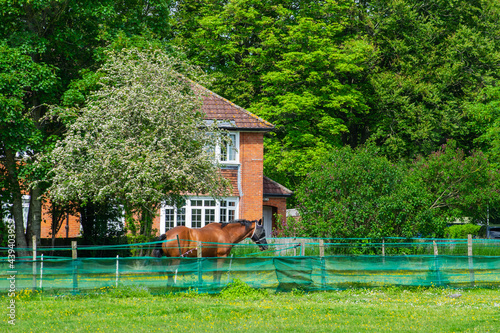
158 251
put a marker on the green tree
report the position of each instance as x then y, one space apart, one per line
299 64
46 48
359 193
139 140
434 59
484 119
20 136
459 185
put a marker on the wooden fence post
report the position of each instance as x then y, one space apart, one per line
436 263
117 270
383 247
199 253
323 263
75 266
471 262
302 247
34 262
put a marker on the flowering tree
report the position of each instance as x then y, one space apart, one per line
140 139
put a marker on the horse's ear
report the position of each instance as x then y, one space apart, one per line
260 222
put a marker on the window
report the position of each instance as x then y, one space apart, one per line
228 151
199 212
26 209
169 218
227 211
196 213
181 216
209 209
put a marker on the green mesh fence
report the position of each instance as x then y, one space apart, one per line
307 264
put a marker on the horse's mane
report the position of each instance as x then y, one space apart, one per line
244 222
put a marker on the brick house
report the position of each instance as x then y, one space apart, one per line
254 196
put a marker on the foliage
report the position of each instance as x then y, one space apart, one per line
140 139
407 75
359 193
292 227
459 185
484 118
462 230
240 290
434 59
46 47
295 63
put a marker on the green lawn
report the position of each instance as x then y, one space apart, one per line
243 309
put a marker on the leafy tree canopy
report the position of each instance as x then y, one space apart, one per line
141 138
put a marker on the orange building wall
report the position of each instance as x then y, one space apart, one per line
70 227
251 159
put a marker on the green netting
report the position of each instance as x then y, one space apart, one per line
277 273
299 263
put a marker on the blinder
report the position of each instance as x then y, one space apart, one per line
259 235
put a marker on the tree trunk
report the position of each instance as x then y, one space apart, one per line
35 216
17 203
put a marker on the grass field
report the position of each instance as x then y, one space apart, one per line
242 309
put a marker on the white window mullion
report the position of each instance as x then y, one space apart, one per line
188 214
162 219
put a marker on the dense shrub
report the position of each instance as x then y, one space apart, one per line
462 230
358 193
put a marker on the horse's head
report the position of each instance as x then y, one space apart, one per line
259 235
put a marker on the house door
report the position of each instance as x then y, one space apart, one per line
268 220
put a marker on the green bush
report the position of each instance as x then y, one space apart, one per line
239 289
361 194
462 230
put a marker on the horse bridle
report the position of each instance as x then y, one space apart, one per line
253 234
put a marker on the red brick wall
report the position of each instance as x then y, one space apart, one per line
73 230
156 223
251 159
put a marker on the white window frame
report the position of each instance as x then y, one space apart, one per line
205 216
230 147
26 210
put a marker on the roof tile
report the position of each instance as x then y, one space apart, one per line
216 107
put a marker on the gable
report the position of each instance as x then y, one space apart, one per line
230 115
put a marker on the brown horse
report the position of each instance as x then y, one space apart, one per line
217 240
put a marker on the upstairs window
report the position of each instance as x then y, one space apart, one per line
228 152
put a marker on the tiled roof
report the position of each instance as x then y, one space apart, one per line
274 189
230 115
